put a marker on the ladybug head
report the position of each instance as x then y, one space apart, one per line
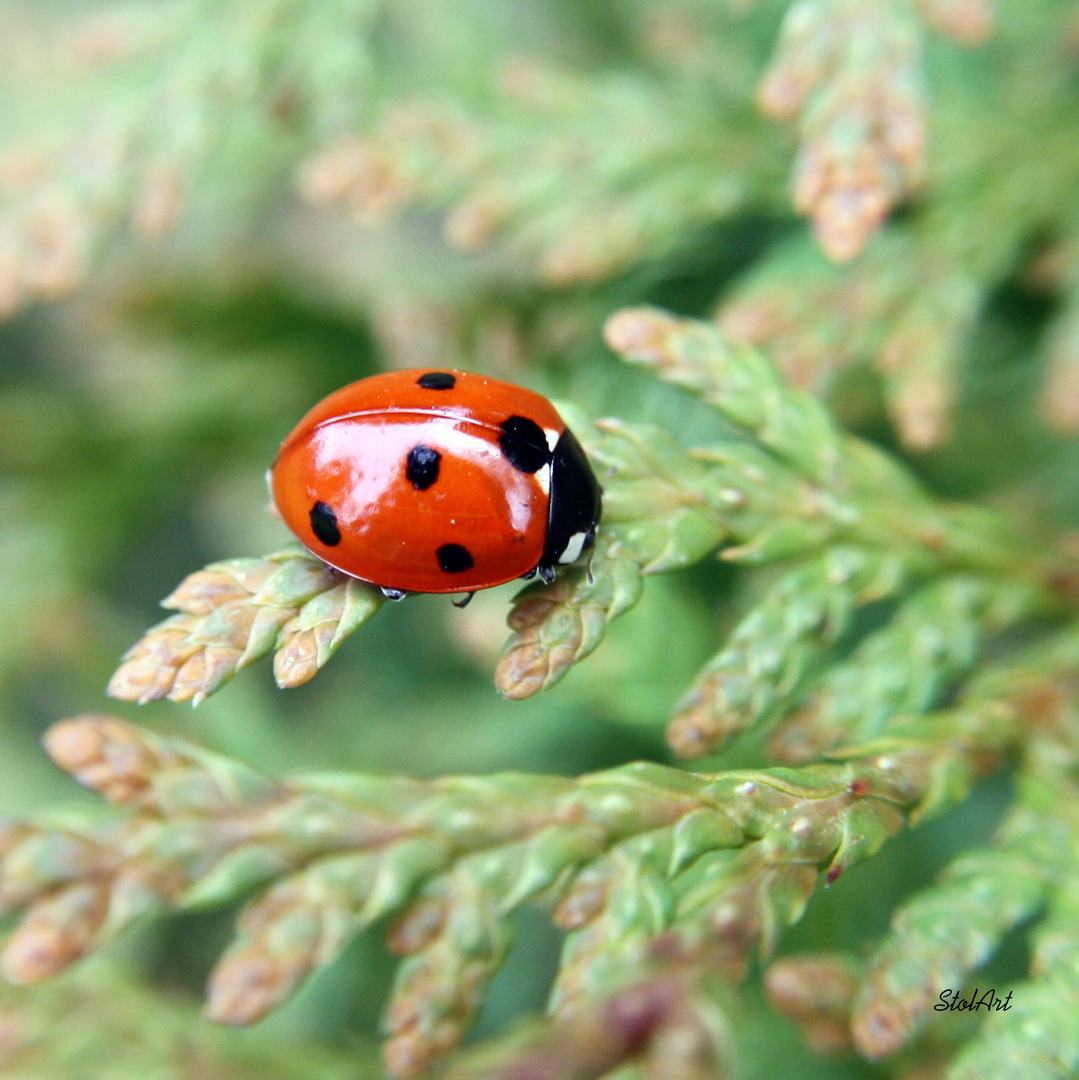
575 506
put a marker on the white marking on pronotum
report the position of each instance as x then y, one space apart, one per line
573 548
552 438
543 478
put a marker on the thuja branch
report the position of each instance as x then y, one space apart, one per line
788 484
647 158
907 306
99 1022
850 71
160 123
855 490
234 613
936 636
945 932
327 855
780 644
664 1026
638 978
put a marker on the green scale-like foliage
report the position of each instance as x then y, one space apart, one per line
724 236
641 861
788 485
654 874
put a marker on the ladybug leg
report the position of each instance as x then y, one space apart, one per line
463 603
530 575
393 594
546 572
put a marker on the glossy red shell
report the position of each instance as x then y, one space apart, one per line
351 452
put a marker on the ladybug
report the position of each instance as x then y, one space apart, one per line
436 482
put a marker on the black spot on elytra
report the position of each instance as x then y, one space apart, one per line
437 380
454 559
422 467
324 524
523 442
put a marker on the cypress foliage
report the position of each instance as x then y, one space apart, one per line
801 275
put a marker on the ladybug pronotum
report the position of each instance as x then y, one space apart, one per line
437 482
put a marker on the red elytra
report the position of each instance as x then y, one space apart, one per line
436 481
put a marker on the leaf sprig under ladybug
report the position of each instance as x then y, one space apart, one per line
236 612
788 486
